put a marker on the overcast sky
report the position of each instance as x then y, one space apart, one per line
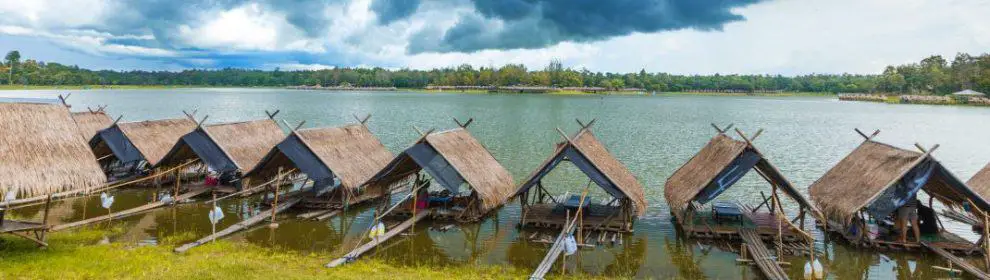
787 37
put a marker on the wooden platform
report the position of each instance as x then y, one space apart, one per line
598 217
357 252
23 228
133 211
956 261
762 223
761 255
945 240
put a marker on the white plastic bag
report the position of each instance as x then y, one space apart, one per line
106 200
216 215
570 245
819 272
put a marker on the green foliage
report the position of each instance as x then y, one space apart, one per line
931 75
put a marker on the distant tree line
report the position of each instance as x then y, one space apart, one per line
931 75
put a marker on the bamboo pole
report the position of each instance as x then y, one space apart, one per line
275 203
214 223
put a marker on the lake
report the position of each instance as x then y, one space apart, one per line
652 135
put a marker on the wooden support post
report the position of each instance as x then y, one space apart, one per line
415 207
214 223
802 217
44 221
175 192
278 184
986 240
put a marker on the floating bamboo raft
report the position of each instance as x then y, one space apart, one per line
239 226
761 255
374 243
969 268
132 211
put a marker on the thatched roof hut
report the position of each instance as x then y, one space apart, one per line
226 147
980 183
91 122
133 142
453 158
351 154
718 166
591 157
878 178
43 151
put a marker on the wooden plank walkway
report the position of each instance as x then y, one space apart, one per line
966 266
374 243
761 255
963 218
553 254
239 226
132 211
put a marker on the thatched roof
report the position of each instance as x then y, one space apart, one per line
588 144
599 159
43 151
692 177
489 179
871 169
703 168
154 138
352 152
980 183
91 122
246 143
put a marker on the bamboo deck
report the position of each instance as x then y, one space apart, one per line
945 240
968 267
597 217
761 255
22 228
762 223
357 252
247 223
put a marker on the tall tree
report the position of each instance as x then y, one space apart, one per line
12 58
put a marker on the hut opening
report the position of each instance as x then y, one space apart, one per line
617 212
877 188
126 149
227 149
91 122
338 160
692 192
456 177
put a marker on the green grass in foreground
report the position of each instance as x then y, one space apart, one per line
78 255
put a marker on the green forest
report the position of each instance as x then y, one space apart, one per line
931 75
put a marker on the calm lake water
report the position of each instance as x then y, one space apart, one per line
652 135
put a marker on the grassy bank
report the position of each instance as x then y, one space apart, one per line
87 87
80 255
782 94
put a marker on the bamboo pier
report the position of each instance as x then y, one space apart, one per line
953 259
247 223
132 211
357 252
761 255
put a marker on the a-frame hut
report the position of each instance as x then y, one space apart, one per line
129 147
862 194
229 149
719 165
337 159
471 181
91 121
43 152
614 213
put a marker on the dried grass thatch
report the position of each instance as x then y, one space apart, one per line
488 178
246 143
154 138
684 185
43 151
980 183
91 122
859 177
615 171
352 152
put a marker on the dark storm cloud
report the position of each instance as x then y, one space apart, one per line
389 11
542 23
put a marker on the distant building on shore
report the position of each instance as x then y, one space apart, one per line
969 93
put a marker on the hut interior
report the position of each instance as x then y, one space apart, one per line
126 149
625 198
877 188
456 177
226 149
693 189
338 160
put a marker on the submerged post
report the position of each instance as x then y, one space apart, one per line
278 184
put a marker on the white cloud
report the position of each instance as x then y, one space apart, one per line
247 27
